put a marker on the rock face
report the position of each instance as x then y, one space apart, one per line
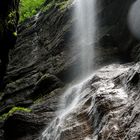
106 107
41 66
8 33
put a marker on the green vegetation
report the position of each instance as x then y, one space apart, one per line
28 8
48 6
13 110
61 4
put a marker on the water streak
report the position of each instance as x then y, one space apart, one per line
71 102
85 28
76 96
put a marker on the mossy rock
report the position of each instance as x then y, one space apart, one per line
13 110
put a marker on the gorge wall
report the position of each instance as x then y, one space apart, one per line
41 66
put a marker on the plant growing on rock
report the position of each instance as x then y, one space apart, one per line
29 8
13 110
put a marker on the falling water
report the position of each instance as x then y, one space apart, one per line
85 30
75 97
71 103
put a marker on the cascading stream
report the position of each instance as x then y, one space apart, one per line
75 97
71 102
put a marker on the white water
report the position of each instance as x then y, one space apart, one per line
75 97
71 102
85 28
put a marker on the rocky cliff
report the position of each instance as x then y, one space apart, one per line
41 67
8 33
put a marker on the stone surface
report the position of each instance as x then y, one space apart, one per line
108 107
9 17
41 66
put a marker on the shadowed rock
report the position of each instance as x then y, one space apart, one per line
8 33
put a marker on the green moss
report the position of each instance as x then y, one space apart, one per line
13 110
28 8
60 4
12 14
10 21
15 34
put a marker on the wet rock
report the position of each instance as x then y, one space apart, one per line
41 64
105 112
134 78
28 126
25 103
48 103
1 134
46 84
21 124
110 110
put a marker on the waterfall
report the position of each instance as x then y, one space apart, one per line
73 103
76 97
85 30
